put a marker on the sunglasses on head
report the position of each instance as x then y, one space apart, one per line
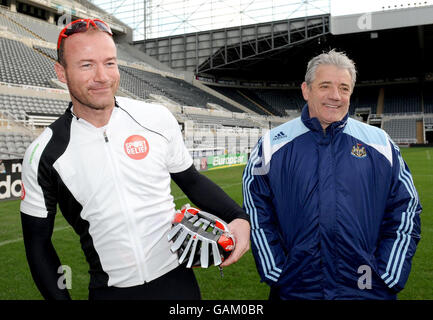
81 25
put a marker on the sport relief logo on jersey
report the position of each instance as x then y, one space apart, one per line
136 147
358 151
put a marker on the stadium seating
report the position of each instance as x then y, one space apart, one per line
142 83
282 99
401 130
123 54
32 27
30 62
195 96
428 98
278 102
52 53
223 121
21 64
253 95
402 99
21 106
11 26
237 95
364 97
13 145
135 85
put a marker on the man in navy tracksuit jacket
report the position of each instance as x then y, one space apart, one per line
333 208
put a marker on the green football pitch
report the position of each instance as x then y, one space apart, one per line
240 280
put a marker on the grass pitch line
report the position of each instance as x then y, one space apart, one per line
3 243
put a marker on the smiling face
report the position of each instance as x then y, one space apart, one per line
91 71
328 96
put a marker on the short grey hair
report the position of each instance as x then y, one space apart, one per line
332 57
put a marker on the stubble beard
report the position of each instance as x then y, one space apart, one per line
85 101
90 105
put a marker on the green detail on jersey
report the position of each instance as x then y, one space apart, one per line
33 153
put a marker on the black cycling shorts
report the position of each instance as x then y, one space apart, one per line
178 284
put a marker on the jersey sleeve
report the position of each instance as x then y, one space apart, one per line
42 258
37 197
179 158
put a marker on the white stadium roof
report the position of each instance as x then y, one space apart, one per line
380 20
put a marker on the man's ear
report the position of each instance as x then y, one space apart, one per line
60 71
305 90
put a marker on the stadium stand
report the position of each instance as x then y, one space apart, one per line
269 108
13 145
428 121
10 25
21 106
32 27
194 96
364 97
27 59
136 81
428 98
136 85
123 54
402 98
235 113
21 64
51 53
223 121
282 99
236 95
142 83
401 130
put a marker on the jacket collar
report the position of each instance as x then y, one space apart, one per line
314 125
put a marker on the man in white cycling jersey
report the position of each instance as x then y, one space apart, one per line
108 162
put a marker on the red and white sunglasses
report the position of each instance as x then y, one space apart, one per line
81 25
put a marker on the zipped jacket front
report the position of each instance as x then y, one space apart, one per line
334 213
112 185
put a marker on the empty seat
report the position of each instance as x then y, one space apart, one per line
20 106
402 99
401 130
23 65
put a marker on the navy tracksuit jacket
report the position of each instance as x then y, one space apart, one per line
334 215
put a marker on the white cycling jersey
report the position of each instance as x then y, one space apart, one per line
112 185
